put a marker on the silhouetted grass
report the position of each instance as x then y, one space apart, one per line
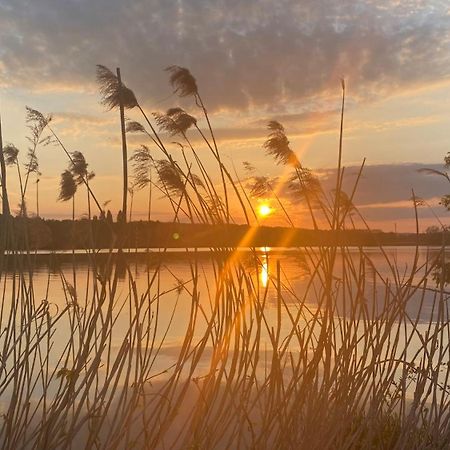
345 363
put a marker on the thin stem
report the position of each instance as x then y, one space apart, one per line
5 202
124 149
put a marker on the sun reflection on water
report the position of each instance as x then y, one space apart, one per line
264 270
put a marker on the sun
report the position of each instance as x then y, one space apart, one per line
264 210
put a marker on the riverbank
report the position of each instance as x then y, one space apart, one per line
53 235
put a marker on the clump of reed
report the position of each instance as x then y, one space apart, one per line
345 363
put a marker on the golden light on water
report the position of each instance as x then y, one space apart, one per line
264 271
264 210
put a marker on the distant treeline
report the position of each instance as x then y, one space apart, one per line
36 233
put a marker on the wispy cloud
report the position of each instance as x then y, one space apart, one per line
389 183
77 125
262 54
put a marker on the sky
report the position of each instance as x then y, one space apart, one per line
254 61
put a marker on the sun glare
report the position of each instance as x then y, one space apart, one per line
264 210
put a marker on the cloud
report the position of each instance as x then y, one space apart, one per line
76 124
384 192
244 53
387 183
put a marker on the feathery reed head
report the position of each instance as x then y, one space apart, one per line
175 121
304 183
447 160
142 163
32 164
216 207
248 167
345 201
170 176
277 145
142 155
445 201
37 119
196 180
428 171
182 81
260 186
78 166
134 127
11 153
67 186
110 92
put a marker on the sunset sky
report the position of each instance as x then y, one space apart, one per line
254 61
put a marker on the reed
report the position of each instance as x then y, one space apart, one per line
356 359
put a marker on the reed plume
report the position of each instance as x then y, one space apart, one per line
277 145
113 92
445 199
182 81
67 186
11 153
78 166
260 186
36 119
302 181
37 124
170 176
175 121
142 164
79 169
5 201
184 84
134 127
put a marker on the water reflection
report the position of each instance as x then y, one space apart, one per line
264 275
264 267
170 296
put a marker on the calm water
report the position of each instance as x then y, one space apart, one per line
171 292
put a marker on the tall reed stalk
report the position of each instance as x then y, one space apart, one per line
200 351
5 202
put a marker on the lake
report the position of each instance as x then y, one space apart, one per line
153 333
54 275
